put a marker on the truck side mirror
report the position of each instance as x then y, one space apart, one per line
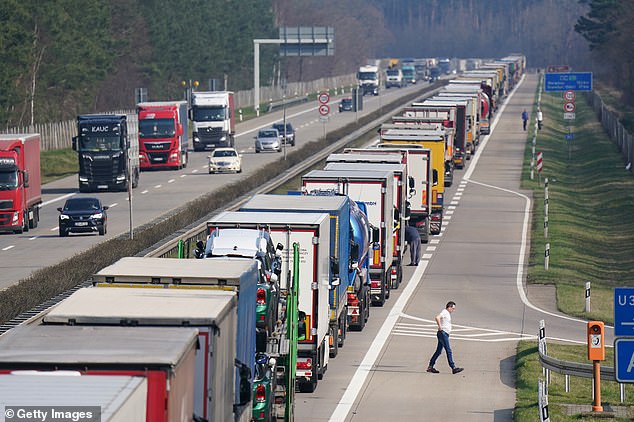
435 178
26 178
179 129
199 252
301 325
376 235
334 265
74 143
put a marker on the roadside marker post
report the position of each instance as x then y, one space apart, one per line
547 256
588 296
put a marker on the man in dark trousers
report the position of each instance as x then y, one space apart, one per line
524 118
413 239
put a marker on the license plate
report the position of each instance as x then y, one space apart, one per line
102 187
81 223
158 160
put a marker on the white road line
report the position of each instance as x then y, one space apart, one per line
144 192
195 171
434 241
114 204
182 175
370 358
450 212
461 189
171 181
427 255
8 247
431 248
157 186
454 202
59 198
54 228
447 217
33 238
451 207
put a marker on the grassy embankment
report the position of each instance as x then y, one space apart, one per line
591 236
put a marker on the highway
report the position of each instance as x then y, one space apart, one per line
478 261
159 192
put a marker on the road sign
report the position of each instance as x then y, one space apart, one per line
570 95
624 311
323 98
569 136
557 68
569 116
324 109
579 81
624 359
569 107
540 156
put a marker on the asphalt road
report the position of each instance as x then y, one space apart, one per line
478 261
161 191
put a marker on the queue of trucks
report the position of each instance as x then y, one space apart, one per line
271 290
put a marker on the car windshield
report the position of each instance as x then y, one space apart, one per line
156 128
268 134
82 204
225 153
346 101
280 127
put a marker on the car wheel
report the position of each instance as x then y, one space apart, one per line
257 151
102 230
62 232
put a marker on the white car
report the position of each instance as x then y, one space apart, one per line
225 160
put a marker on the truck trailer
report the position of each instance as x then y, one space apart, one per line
165 358
213 313
108 157
233 275
163 135
20 182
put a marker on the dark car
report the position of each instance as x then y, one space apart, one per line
82 215
290 133
345 104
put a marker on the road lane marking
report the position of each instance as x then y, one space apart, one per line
431 248
427 256
54 228
8 247
59 198
182 175
114 205
158 186
144 192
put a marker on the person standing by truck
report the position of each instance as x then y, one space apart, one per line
443 319
413 241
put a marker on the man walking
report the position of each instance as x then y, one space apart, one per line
443 319
524 118
413 239
540 118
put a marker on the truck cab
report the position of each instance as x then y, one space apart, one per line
108 158
369 79
393 77
213 120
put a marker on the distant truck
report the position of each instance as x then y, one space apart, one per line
409 74
394 77
369 79
213 313
164 357
221 274
20 182
375 189
163 135
108 157
213 120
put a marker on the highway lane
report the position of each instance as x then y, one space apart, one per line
161 191
478 261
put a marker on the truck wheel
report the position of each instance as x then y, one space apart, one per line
333 350
25 221
307 387
343 324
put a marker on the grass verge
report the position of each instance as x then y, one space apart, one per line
591 237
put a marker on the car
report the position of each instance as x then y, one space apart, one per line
225 160
290 132
345 104
82 215
268 140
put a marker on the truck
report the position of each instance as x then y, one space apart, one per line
164 357
420 178
434 142
163 135
394 77
213 119
219 274
351 238
484 102
375 189
20 182
401 205
212 313
311 231
369 79
120 398
409 74
108 157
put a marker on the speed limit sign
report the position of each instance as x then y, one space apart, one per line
323 98
569 107
570 95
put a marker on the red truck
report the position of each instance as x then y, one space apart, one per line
20 182
163 135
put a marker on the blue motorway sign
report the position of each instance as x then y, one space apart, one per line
574 81
624 359
624 311
569 136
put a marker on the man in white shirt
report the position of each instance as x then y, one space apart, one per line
443 319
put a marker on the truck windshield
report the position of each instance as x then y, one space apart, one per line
101 142
156 128
8 180
209 114
391 72
367 76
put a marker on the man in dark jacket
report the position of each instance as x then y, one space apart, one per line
413 239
